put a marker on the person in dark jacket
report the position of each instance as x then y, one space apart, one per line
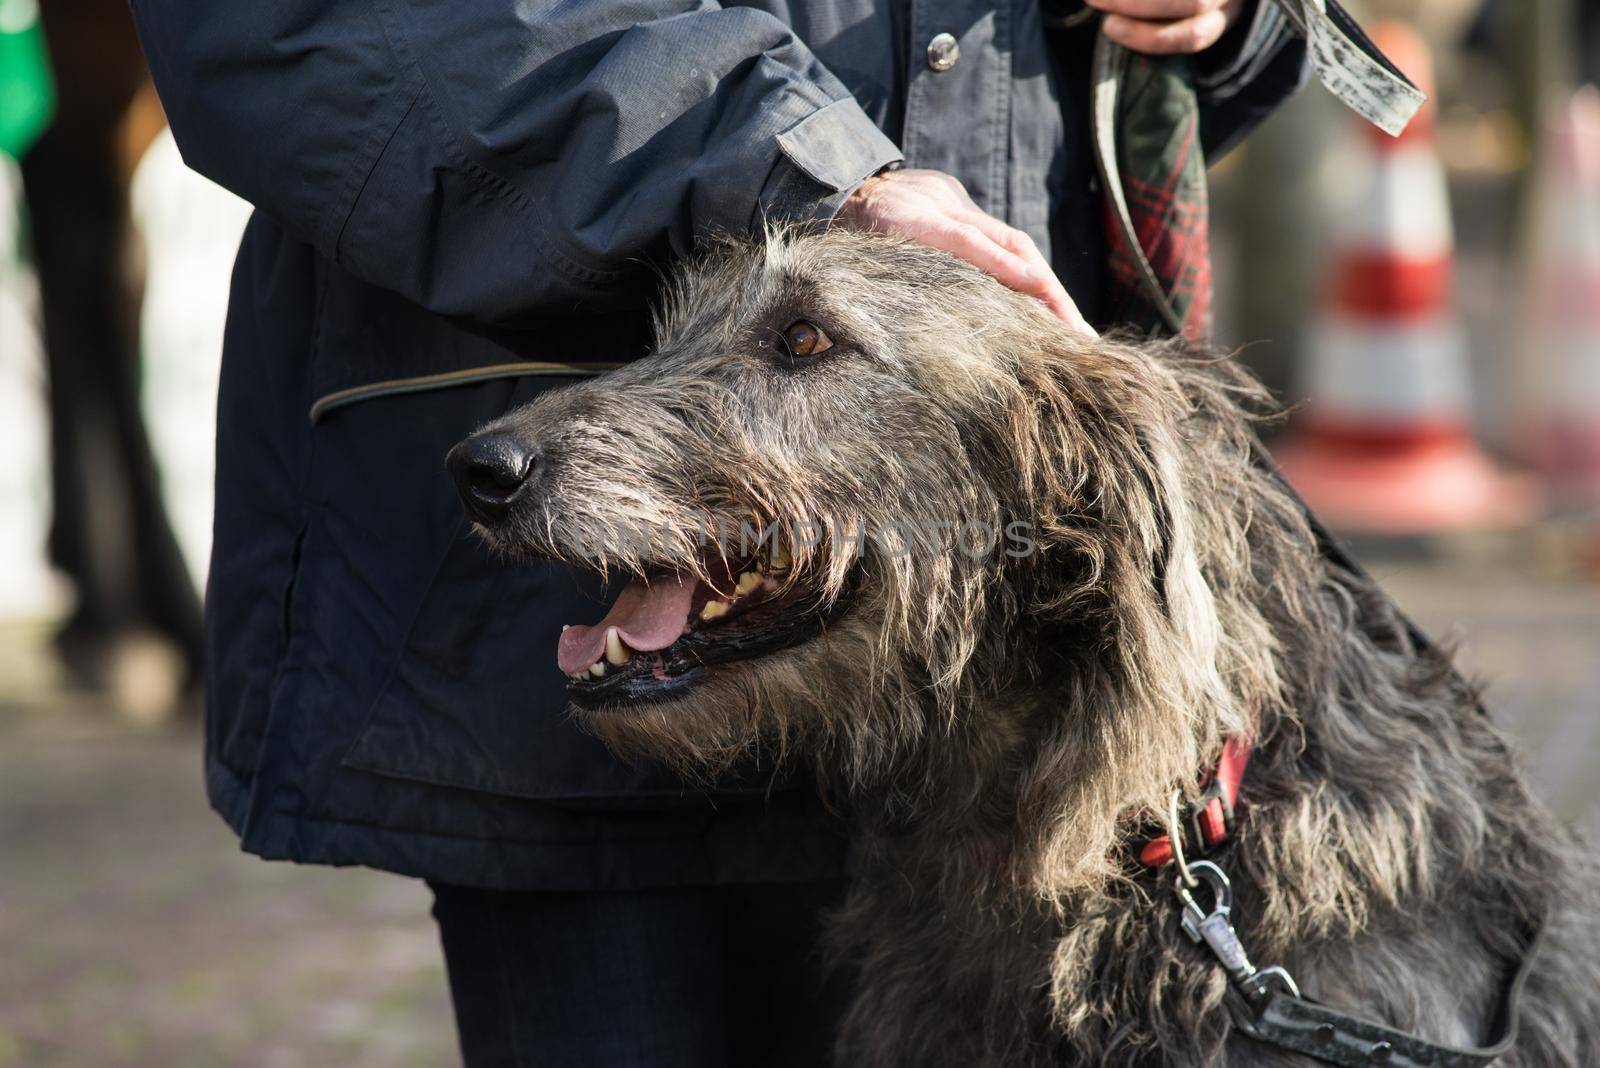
460 205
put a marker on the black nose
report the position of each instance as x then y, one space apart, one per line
490 470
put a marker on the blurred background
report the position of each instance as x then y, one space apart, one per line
1429 307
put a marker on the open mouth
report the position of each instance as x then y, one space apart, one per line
664 631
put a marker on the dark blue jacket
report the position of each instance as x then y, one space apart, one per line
460 204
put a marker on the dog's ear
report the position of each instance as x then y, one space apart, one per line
1136 494
1106 466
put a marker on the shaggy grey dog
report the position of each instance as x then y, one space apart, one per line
1053 578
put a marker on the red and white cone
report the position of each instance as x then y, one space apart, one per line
1563 427
1386 443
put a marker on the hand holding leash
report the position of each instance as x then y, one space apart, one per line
1167 27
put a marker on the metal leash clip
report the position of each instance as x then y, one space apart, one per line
1214 928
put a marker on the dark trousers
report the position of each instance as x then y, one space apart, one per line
714 977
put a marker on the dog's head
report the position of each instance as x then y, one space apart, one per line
857 482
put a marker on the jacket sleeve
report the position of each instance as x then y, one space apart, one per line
500 159
1241 79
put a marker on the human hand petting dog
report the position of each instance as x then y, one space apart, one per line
932 208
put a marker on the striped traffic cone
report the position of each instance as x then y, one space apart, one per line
1386 443
1562 426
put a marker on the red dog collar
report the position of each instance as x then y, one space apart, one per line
1211 817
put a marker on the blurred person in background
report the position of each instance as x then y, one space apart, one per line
459 206
109 532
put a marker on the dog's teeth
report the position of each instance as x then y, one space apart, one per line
714 610
747 582
597 669
616 652
565 627
780 559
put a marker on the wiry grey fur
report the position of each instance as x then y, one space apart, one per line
994 727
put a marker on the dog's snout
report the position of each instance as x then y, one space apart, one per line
489 471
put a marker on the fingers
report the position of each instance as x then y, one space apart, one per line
967 241
1047 287
1161 10
1180 36
953 186
1167 27
1059 301
934 209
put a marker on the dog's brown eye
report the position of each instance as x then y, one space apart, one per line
804 340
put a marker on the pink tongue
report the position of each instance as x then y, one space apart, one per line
647 617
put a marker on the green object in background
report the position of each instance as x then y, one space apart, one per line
27 92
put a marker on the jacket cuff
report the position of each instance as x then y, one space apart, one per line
822 159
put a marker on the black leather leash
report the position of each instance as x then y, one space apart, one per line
1279 1014
1310 1027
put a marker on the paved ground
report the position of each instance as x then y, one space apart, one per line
135 935
1534 642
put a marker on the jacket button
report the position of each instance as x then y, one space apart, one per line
943 51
